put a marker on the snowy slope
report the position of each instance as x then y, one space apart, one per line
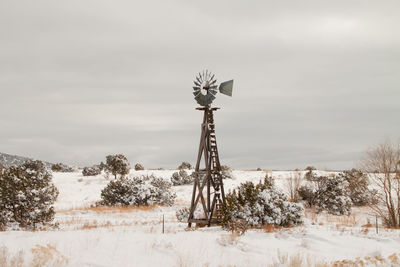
8 160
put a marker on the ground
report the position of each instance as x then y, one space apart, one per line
133 236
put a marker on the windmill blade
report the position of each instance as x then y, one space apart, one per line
196 83
198 80
213 82
226 88
196 88
196 93
213 92
198 97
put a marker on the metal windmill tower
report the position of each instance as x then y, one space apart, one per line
209 178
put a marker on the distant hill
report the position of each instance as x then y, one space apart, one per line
8 160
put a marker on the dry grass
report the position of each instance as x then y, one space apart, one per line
11 260
110 209
295 260
81 224
364 230
392 260
311 214
342 220
270 228
337 221
228 239
300 260
184 261
161 244
72 221
119 209
368 225
182 202
47 256
94 225
42 256
88 225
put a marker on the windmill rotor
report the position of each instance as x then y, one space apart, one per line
206 88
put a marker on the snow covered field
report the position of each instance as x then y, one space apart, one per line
133 236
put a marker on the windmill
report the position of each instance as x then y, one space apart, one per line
209 178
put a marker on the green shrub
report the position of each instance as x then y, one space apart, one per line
27 195
327 193
259 205
185 165
182 178
139 167
358 188
117 165
61 167
91 171
137 191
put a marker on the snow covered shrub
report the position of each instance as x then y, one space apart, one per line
238 226
91 171
185 165
308 194
117 164
137 191
26 195
60 167
183 214
226 172
181 178
333 196
327 193
259 205
309 174
139 167
357 188
102 166
4 218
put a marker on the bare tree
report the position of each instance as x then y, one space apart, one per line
293 184
382 164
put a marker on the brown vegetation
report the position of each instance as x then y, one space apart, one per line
111 209
293 184
42 256
382 162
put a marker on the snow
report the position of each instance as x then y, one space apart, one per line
133 237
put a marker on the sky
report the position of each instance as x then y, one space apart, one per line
315 82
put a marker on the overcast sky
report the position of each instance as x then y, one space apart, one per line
316 82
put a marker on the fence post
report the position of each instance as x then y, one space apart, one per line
163 223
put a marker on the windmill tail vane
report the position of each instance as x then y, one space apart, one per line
226 88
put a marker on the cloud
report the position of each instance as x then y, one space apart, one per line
316 82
